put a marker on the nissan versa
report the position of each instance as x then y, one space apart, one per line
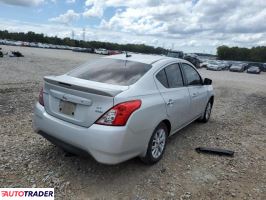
122 106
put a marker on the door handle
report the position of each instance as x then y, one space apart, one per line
170 102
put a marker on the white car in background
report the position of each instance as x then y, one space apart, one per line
101 51
122 106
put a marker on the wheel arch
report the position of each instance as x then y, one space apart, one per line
211 99
168 125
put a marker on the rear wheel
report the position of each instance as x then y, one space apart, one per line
157 145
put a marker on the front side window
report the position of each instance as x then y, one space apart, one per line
192 76
112 71
170 76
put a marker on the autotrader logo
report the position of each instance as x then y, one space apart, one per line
27 193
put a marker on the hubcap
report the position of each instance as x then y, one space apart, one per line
208 111
158 143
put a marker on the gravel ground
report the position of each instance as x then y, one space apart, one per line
238 123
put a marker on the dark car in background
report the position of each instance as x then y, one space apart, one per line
253 70
193 59
175 54
262 66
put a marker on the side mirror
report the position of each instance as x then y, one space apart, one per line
207 81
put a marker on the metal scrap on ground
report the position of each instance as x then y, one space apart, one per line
218 151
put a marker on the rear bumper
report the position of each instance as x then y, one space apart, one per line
106 144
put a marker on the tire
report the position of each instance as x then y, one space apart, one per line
156 145
207 113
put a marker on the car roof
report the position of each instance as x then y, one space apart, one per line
142 58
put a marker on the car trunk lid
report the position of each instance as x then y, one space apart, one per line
78 101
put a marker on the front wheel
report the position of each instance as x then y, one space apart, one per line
207 113
157 145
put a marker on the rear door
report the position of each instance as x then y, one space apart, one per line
197 91
175 94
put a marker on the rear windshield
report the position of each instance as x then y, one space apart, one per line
112 71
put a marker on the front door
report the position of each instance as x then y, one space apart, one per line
197 91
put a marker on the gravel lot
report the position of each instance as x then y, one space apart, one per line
238 122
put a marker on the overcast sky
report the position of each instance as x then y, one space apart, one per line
188 25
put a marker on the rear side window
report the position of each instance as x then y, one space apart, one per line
112 71
192 76
170 76
161 76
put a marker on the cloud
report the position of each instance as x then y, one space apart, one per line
66 18
189 25
96 8
22 2
70 1
201 22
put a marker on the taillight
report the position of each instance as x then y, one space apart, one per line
119 114
41 97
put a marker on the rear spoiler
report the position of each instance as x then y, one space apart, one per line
85 85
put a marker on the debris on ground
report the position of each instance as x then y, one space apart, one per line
222 152
16 54
1 53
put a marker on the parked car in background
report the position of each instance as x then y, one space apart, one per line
117 110
238 67
84 50
101 51
222 65
257 64
214 65
253 70
226 64
114 52
204 64
175 54
2 41
193 59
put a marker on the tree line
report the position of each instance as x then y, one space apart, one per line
256 54
39 37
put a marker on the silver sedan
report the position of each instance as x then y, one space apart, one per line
122 106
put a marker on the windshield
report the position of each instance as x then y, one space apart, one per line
112 71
